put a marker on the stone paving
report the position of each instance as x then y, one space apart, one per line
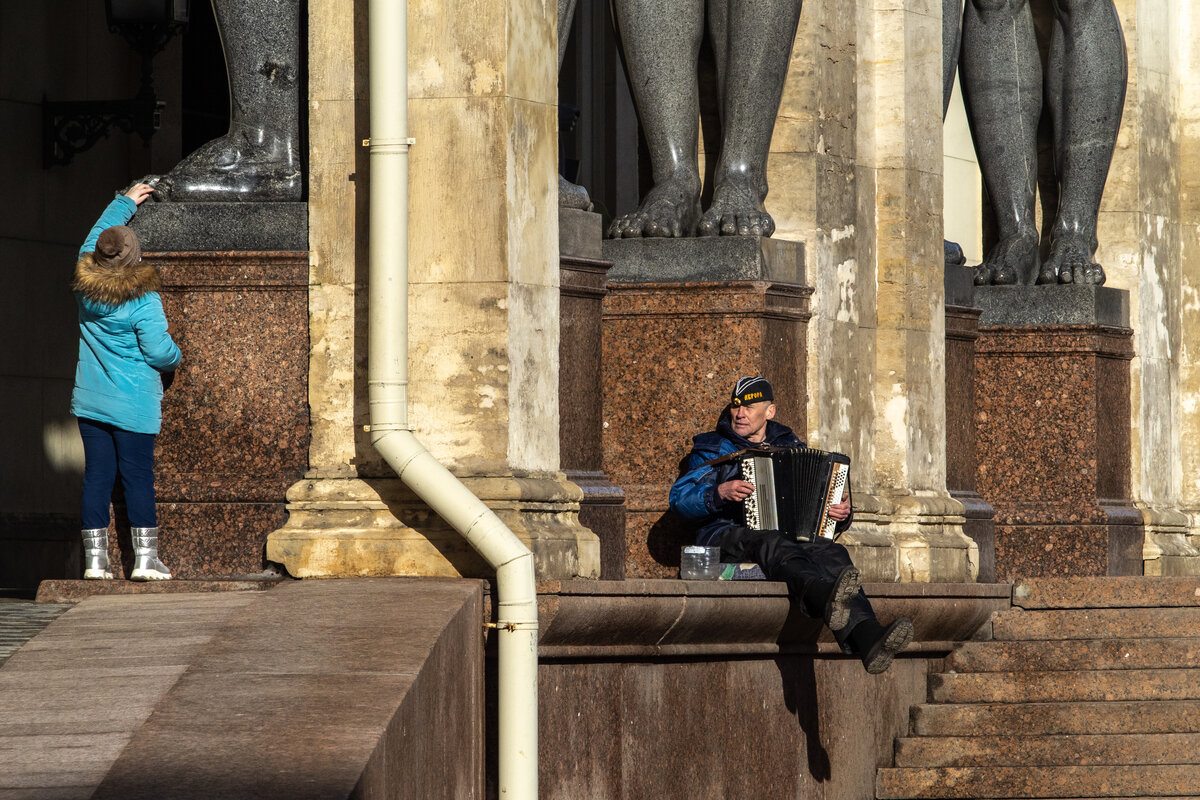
21 620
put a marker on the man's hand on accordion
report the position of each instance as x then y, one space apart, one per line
738 490
842 510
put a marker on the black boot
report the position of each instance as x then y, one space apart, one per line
877 645
832 600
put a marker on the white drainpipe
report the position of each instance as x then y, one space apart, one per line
388 398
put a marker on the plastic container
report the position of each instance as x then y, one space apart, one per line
698 563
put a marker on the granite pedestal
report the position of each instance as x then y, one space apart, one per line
683 320
582 274
962 331
1053 436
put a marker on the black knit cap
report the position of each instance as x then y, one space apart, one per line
751 390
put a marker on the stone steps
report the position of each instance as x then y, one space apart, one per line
1156 716
1065 686
1049 751
1090 688
1097 623
1162 780
1043 655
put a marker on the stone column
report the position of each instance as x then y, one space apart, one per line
856 174
879 311
1147 232
1185 81
483 301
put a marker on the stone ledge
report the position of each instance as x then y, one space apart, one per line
663 618
75 591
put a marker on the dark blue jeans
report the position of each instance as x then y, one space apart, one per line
108 450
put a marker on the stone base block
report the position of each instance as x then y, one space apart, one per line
602 511
378 527
1053 442
1170 548
1061 550
911 538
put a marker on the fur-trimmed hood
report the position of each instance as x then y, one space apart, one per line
114 286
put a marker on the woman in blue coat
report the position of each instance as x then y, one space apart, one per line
124 348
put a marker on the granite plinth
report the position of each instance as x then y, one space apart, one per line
1054 449
690 342
221 227
709 258
580 234
581 294
962 331
1053 304
959 283
235 419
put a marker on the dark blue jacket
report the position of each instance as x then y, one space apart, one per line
694 496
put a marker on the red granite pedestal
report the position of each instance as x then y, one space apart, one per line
581 280
962 332
671 353
235 420
1053 416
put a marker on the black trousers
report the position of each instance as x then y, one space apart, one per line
808 568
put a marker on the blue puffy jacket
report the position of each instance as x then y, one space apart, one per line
123 348
694 495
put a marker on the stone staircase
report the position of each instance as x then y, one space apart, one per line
1089 688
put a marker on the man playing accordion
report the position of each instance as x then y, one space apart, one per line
822 581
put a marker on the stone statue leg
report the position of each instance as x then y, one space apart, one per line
1087 94
259 159
952 14
952 18
570 195
752 42
661 41
1002 86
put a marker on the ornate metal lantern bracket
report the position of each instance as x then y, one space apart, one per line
71 127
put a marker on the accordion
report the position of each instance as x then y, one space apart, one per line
794 488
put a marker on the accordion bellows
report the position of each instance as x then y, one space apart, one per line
794 488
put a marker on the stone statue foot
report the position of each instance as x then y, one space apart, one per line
572 195
737 210
1070 261
670 209
1013 260
236 167
954 255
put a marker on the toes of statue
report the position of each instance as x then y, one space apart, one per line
1047 275
984 275
1095 275
1005 275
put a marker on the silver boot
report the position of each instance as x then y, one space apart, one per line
95 554
146 566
